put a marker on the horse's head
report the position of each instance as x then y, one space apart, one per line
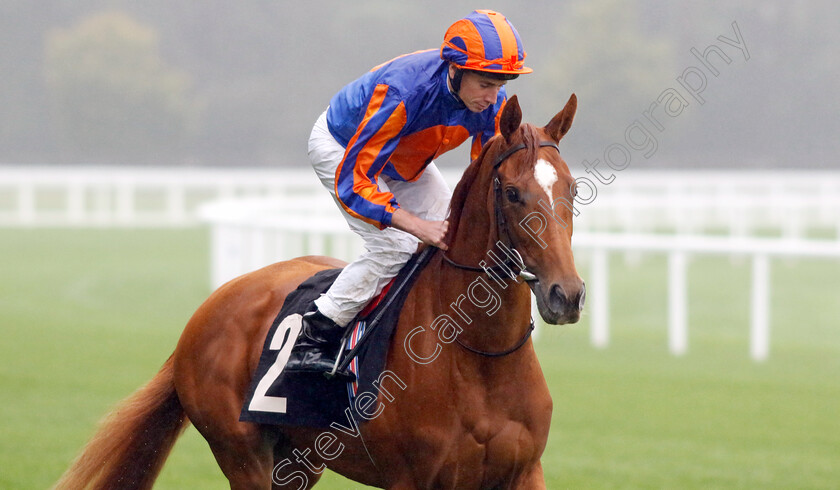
534 200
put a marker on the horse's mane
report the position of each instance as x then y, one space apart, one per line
462 190
530 138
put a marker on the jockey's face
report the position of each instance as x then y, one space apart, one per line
478 92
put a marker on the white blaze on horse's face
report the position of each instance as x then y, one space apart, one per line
546 176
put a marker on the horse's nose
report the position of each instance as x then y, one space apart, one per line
559 298
581 299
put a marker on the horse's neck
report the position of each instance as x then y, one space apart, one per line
493 310
475 233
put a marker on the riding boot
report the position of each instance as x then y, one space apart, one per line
316 347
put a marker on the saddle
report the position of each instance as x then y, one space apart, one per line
309 399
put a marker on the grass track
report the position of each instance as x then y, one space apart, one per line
87 316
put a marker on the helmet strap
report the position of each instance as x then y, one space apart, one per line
455 81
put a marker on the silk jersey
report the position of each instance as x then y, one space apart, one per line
394 121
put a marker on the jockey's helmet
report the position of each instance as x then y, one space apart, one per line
485 41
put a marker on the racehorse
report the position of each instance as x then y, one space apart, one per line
466 405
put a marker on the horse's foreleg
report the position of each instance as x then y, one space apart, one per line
403 485
532 479
287 474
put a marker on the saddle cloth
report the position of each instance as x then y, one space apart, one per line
309 399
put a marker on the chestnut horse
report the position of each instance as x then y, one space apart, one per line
468 414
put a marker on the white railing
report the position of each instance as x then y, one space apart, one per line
259 216
247 234
250 234
786 203
678 248
136 197
739 203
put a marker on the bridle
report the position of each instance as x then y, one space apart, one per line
515 263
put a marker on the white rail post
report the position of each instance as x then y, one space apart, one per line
760 303
257 252
279 245
103 212
176 204
217 255
75 202
26 204
600 329
677 304
316 243
125 211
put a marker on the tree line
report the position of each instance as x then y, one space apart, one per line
240 83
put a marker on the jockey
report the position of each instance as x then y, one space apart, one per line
374 149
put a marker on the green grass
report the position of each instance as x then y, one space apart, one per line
87 316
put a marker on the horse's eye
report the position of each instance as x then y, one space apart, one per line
512 195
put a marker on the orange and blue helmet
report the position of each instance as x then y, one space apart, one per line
485 41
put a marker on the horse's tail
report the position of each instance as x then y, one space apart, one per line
133 441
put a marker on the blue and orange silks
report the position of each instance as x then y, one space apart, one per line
485 41
394 121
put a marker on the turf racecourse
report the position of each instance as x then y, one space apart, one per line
87 316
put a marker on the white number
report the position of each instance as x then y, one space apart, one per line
283 340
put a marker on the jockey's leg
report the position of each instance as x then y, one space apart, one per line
386 253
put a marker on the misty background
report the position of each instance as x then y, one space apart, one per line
223 83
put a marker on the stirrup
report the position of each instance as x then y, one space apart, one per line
334 372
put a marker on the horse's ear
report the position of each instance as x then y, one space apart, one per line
511 118
561 123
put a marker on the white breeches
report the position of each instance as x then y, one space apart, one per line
386 250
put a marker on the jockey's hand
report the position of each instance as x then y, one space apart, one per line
429 232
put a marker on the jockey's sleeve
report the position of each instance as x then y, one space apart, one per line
366 154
